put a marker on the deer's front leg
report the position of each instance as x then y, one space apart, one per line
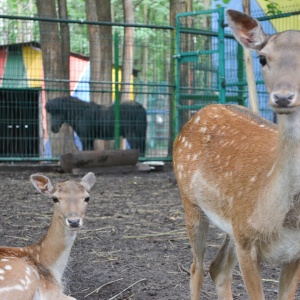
250 268
289 279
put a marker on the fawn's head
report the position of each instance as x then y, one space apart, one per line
70 197
279 57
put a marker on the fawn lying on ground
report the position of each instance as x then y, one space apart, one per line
35 272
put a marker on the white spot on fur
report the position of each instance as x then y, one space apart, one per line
271 171
195 156
28 271
8 267
4 259
2 271
1 277
203 129
197 119
12 288
253 179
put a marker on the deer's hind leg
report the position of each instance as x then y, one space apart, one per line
289 280
197 227
222 268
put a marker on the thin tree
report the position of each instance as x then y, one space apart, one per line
176 6
100 41
54 52
128 48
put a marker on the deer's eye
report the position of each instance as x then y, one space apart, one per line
55 199
262 60
87 199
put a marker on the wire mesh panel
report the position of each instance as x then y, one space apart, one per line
28 131
210 62
200 61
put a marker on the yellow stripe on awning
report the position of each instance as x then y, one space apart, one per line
34 67
282 24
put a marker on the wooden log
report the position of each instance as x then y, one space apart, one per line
139 167
104 158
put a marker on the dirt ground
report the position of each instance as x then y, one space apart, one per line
134 243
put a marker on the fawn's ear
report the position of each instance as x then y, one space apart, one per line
88 181
247 30
42 184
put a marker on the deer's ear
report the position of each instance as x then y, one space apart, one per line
42 184
246 30
88 181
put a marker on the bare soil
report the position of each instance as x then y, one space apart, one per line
134 243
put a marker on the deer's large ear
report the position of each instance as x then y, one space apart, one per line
246 30
88 181
42 184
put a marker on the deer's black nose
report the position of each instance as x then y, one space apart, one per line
74 223
283 100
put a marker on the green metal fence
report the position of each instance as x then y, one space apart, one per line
25 132
176 72
210 65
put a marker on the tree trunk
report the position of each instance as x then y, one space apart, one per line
176 6
253 99
95 54
53 73
127 63
100 39
106 50
65 45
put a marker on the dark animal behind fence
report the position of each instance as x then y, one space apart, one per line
92 121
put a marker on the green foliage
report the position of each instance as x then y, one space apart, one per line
272 8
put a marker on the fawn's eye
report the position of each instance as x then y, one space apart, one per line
262 60
87 199
55 199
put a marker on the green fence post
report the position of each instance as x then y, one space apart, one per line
117 93
177 74
174 97
221 73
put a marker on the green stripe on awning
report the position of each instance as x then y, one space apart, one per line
14 74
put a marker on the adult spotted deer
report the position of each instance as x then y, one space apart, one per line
35 272
242 173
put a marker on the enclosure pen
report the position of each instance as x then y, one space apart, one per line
177 70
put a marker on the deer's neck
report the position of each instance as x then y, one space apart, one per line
53 250
287 168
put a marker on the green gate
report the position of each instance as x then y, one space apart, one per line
201 77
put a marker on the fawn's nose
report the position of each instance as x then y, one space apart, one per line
74 221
